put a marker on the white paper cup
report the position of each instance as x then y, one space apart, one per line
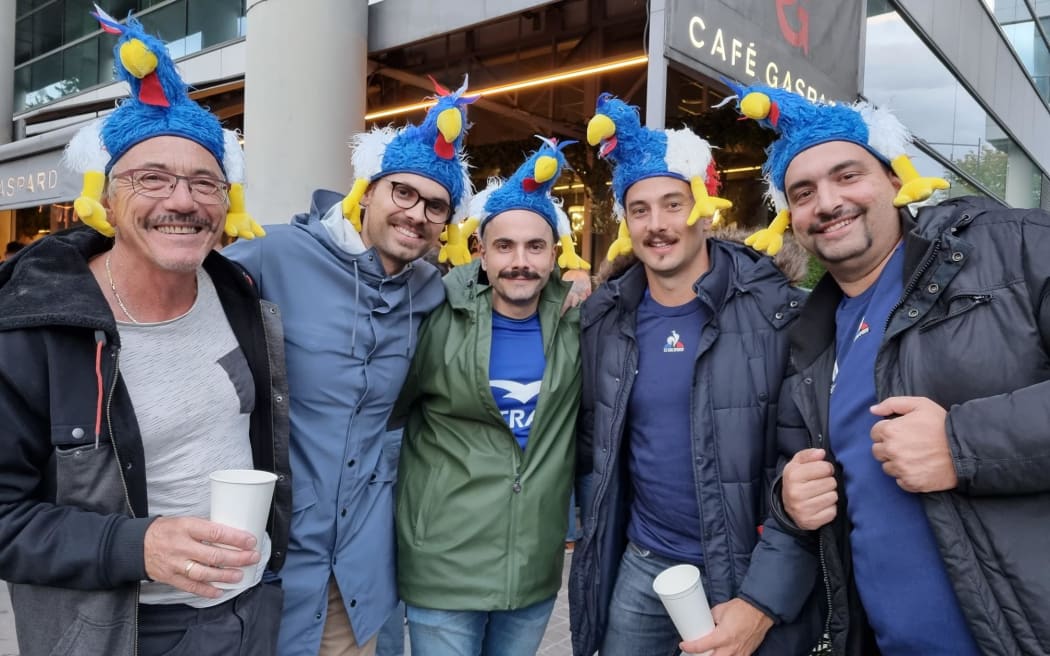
240 498
680 589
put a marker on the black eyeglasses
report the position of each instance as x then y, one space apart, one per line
406 197
152 183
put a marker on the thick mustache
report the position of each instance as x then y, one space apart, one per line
524 274
194 220
838 215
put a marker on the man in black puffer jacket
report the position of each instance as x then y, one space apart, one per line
924 383
684 353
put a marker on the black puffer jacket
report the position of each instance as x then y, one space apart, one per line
73 503
971 332
739 370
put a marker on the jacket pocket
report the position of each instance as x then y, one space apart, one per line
84 636
303 497
386 466
427 501
956 306
85 476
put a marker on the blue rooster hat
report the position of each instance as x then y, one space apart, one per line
159 104
802 124
638 152
432 149
528 189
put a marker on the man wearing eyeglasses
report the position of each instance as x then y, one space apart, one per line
352 302
133 368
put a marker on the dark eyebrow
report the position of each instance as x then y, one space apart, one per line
834 170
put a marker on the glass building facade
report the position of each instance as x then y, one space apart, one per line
1026 24
957 137
60 50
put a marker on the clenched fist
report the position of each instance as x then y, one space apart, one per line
810 490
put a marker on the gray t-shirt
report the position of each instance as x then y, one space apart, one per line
193 395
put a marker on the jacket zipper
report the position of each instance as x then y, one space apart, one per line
123 483
823 558
827 583
627 381
913 282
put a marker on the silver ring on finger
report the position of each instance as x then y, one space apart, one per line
190 564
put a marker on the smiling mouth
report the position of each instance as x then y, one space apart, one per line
179 229
607 146
407 232
660 243
835 224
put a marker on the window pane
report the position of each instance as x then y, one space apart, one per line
214 21
80 66
23 7
78 19
169 24
23 40
22 84
45 80
47 29
1016 19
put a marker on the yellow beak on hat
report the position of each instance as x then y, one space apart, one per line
598 128
450 124
755 105
546 167
137 58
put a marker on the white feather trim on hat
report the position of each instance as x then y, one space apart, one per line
774 195
564 227
85 151
687 154
461 212
476 206
233 157
368 149
886 134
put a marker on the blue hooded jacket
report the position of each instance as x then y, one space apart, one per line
350 332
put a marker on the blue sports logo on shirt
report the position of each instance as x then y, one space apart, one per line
674 343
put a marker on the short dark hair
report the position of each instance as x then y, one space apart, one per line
13 247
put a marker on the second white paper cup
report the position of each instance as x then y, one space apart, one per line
240 498
680 589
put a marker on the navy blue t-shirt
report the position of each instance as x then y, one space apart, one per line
665 517
899 573
516 364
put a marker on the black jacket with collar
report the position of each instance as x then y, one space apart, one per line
970 332
73 509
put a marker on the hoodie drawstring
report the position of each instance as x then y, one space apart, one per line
100 341
357 304
411 326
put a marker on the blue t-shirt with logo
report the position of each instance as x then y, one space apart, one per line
899 573
665 516
516 364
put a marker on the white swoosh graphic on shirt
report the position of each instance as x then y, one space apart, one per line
517 391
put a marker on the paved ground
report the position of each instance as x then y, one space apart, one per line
555 642
8 644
